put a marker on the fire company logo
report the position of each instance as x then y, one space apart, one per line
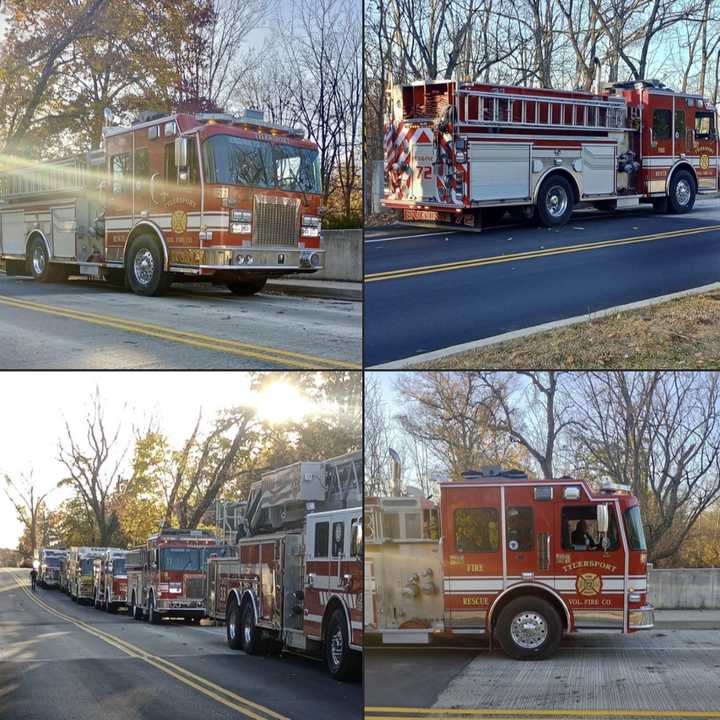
179 221
588 584
704 162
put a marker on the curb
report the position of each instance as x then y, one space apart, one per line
318 289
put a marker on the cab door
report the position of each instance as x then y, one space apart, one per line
530 540
472 554
659 139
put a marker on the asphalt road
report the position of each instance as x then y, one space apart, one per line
429 289
663 673
80 324
61 661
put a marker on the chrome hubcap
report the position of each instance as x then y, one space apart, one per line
144 266
247 631
529 630
556 201
682 192
38 260
336 647
231 627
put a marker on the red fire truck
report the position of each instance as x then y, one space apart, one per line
521 561
166 576
229 199
298 578
110 580
459 151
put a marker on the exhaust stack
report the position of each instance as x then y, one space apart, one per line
396 473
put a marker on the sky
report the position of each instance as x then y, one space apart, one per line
34 406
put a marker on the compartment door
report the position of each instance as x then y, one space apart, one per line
598 169
13 233
64 227
499 171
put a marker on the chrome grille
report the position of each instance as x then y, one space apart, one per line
194 587
276 221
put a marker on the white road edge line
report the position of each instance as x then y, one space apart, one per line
526 332
405 237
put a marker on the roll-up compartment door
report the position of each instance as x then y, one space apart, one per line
499 171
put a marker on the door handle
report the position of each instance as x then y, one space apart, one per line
544 551
152 188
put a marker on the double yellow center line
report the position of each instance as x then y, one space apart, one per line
533 254
226 697
406 713
160 332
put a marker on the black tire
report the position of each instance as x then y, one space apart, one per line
153 615
39 264
250 634
232 627
96 600
529 610
136 610
144 267
339 658
681 198
555 201
246 287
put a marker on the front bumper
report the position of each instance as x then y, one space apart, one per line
642 618
248 259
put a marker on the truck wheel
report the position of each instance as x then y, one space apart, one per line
232 623
682 192
40 265
555 201
96 600
338 656
529 629
144 267
135 610
247 287
251 636
153 615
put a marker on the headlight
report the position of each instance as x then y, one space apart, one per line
241 228
241 216
311 221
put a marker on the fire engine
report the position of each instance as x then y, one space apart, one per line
79 570
49 571
458 151
110 580
297 580
166 575
217 197
520 561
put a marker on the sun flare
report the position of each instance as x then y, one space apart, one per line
281 402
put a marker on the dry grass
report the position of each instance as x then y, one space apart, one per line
682 333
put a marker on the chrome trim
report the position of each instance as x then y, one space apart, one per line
598 619
158 232
37 231
642 618
535 586
560 170
503 535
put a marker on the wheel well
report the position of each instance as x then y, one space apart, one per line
533 591
35 234
567 175
332 606
682 166
146 229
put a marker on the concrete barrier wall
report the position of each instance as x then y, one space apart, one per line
684 588
343 256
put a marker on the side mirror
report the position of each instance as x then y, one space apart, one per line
603 518
181 153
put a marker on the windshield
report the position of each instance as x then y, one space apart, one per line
119 566
53 562
185 558
86 567
634 529
231 160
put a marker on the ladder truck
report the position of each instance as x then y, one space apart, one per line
465 152
214 197
297 580
519 561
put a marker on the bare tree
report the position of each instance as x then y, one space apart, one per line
376 439
94 468
660 434
532 413
29 505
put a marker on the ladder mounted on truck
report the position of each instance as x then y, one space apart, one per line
507 108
